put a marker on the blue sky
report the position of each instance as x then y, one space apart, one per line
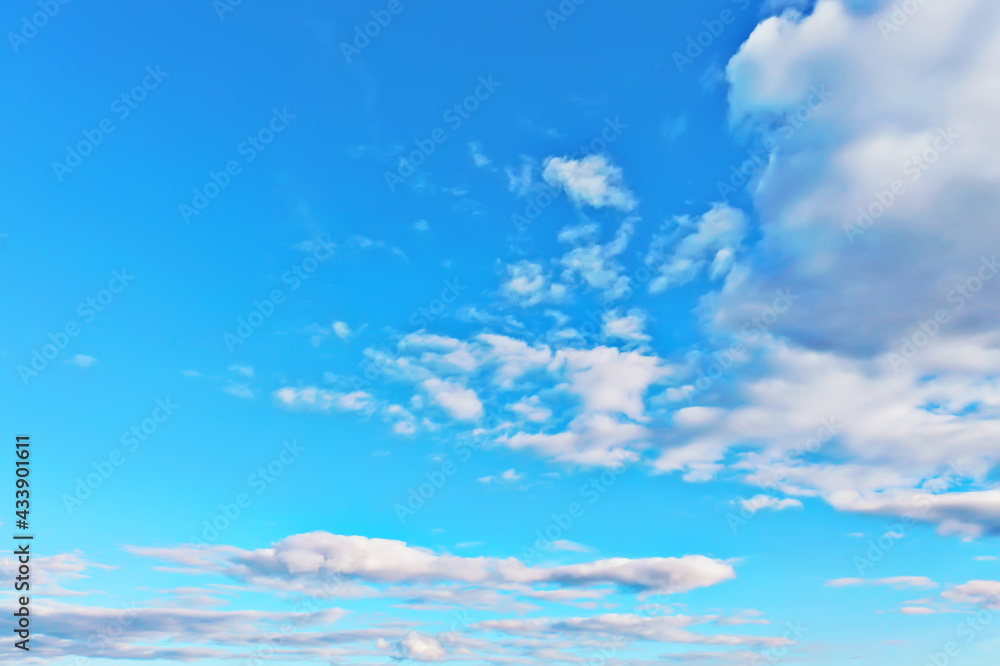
535 333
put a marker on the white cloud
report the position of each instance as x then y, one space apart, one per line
608 429
82 361
917 610
591 181
596 264
515 357
611 380
341 330
571 546
625 327
459 401
687 246
520 179
477 156
895 581
509 476
879 123
421 647
532 409
890 444
529 284
760 502
985 593
317 399
381 561
243 370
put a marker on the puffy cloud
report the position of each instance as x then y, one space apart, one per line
596 266
595 440
969 514
514 357
610 380
591 181
421 647
532 409
611 385
985 593
309 557
459 401
865 258
625 327
761 502
678 256
889 442
342 330
528 284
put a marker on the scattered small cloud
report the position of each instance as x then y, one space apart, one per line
509 476
82 361
476 153
895 581
341 330
762 502
591 181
